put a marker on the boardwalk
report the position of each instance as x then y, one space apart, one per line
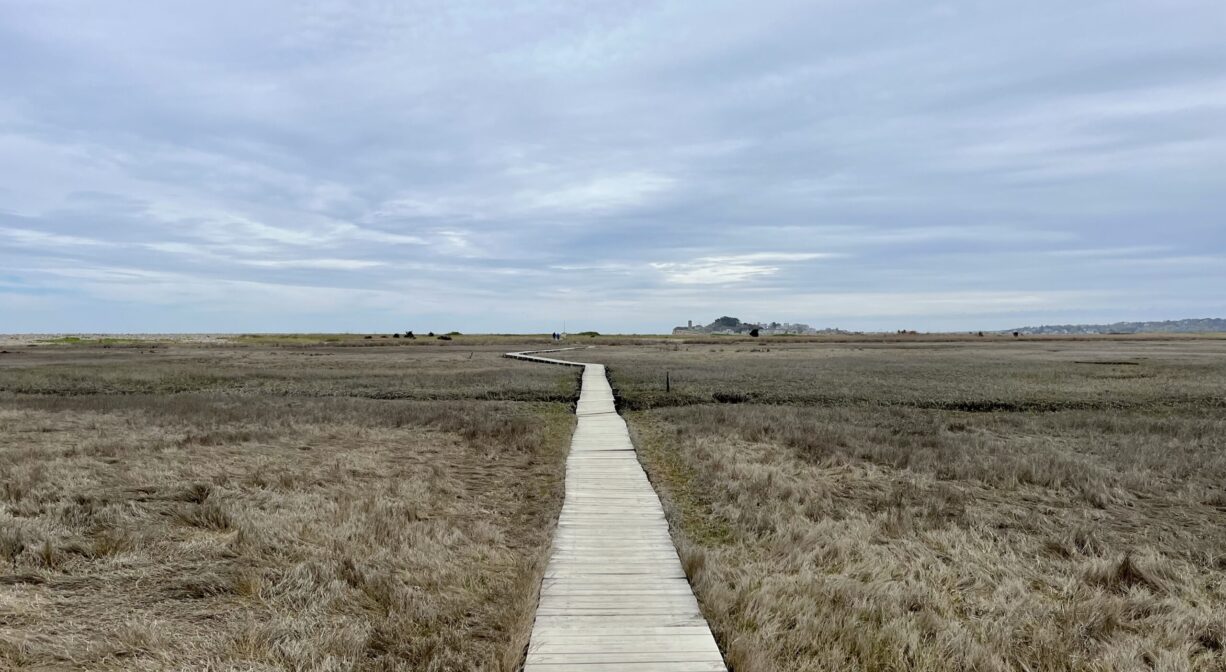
614 596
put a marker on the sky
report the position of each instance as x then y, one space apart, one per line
378 166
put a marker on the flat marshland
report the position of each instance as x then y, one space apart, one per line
292 504
275 508
987 505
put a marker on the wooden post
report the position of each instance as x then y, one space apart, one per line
668 386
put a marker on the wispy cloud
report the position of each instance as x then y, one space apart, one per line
601 193
318 264
730 269
801 161
1110 252
45 240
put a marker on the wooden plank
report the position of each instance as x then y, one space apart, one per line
656 666
550 624
561 634
584 649
681 648
614 596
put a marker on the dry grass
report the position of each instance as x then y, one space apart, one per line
443 373
945 506
1043 505
275 509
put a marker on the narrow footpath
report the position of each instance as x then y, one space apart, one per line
614 596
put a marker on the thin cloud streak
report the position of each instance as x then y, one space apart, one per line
731 269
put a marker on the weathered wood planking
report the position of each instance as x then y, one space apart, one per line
614 596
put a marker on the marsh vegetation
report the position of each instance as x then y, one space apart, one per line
857 505
1021 506
254 508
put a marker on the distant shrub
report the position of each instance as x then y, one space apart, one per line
589 334
409 334
454 333
396 335
730 397
444 337
431 334
368 337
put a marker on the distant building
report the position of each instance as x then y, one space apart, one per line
732 326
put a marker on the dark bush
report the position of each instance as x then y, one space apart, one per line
730 397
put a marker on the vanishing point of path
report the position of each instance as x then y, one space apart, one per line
614 595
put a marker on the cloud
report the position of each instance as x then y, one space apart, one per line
730 269
238 229
318 264
42 239
903 304
132 286
358 233
491 164
597 194
1110 252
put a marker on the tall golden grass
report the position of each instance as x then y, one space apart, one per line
263 509
1029 506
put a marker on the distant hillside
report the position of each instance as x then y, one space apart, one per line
1204 325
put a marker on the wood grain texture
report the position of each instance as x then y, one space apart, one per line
614 596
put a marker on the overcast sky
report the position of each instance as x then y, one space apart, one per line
620 166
